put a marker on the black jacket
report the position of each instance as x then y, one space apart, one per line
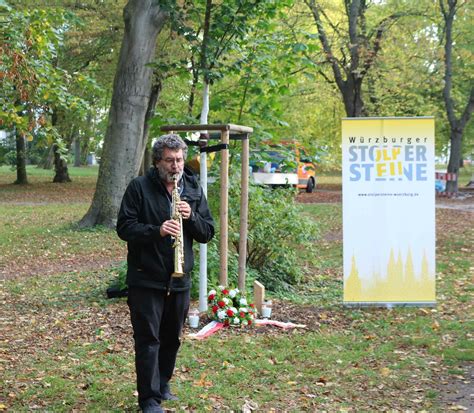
146 204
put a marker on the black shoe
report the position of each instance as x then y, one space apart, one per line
167 395
152 407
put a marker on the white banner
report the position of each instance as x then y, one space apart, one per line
388 211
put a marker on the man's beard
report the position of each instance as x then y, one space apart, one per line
167 176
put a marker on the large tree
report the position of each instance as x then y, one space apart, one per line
352 48
38 88
124 140
31 81
457 124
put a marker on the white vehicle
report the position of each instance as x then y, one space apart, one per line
272 169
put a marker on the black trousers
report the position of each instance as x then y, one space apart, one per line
157 320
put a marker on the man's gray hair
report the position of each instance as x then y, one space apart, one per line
170 141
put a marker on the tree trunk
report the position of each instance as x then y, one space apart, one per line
352 97
60 167
454 161
123 143
456 126
192 93
87 136
77 151
21 177
47 160
145 163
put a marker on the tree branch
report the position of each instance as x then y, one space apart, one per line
325 43
333 26
467 111
448 83
382 27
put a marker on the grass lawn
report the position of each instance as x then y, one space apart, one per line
65 347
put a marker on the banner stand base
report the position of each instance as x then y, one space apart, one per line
391 304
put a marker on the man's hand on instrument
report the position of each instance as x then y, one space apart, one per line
170 227
185 209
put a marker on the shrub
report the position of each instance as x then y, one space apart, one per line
276 229
119 274
213 266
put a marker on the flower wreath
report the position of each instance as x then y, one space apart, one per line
228 306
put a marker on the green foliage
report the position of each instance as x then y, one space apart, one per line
30 45
119 274
61 148
213 267
275 228
8 150
43 99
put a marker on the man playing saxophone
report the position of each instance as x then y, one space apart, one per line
161 215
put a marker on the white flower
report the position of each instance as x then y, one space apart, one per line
232 293
221 287
244 322
236 320
226 300
243 310
221 314
243 301
234 310
212 292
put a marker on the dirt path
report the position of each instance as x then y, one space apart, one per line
464 202
458 393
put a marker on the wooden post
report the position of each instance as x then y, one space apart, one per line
224 208
258 295
244 210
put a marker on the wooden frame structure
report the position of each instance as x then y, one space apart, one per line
228 132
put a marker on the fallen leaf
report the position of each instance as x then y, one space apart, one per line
202 382
249 406
385 371
458 408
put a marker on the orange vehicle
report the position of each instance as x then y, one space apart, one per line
272 166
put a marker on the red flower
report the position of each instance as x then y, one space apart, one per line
211 297
230 313
242 314
225 292
226 322
249 321
215 308
221 304
252 305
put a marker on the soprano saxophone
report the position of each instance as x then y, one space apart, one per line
178 243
